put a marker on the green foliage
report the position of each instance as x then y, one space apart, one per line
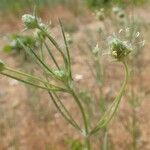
15 46
135 2
104 3
18 6
96 3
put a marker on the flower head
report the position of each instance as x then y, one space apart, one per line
59 73
119 49
1 66
30 21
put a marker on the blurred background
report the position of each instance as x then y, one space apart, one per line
28 118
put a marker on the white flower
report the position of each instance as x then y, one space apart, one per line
31 22
78 77
59 73
119 49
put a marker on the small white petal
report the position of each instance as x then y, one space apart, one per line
137 34
120 30
78 77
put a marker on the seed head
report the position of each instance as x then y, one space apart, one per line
2 66
31 22
119 49
59 73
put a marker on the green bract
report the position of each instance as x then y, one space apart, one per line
1 66
119 49
59 73
31 22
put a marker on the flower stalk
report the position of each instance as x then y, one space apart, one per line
110 112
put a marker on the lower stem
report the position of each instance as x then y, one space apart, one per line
87 143
86 132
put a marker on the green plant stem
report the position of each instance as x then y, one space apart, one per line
41 50
51 55
30 76
67 49
109 114
54 43
44 65
87 141
27 82
67 112
25 74
86 132
105 140
62 113
49 86
31 53
55 98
